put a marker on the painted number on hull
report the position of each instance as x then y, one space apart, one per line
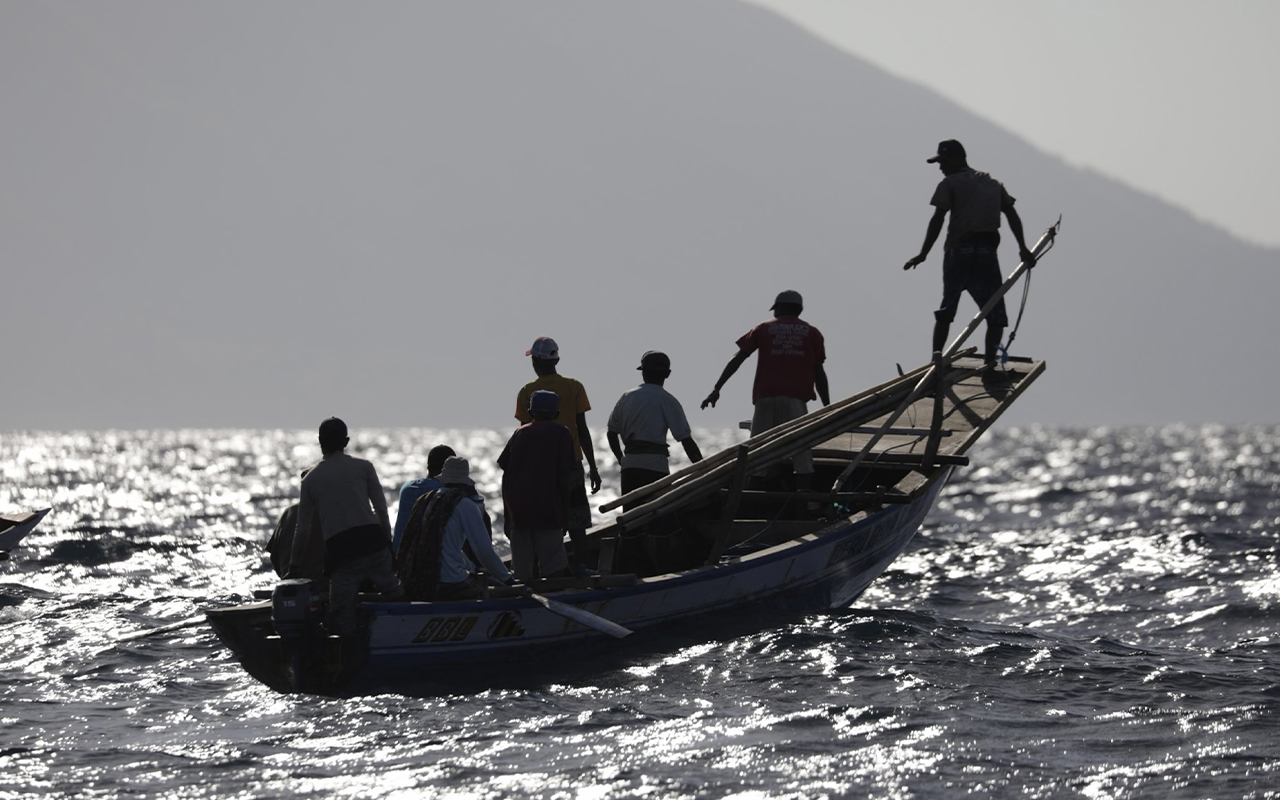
445 629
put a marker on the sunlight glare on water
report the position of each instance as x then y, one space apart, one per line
1086 613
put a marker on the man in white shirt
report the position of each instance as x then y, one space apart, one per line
639 424
345 497
637 433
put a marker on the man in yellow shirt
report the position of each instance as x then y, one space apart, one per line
574 405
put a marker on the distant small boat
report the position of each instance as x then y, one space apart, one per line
725 533
13 527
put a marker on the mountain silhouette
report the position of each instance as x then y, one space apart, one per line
259 215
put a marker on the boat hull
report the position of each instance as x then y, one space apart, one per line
13 528
825 569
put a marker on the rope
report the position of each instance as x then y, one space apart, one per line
1026 290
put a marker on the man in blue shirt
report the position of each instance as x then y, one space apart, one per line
412 490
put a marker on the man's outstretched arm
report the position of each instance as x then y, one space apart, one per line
930 236
729 369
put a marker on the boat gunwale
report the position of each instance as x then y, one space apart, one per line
831 535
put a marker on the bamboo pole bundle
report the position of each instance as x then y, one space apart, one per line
777 450
694 477
774 451
706 465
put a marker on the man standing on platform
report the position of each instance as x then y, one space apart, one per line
639 424
345 495
545 356
975 201
788 370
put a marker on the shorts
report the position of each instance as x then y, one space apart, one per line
971 268
348 579
537 552
770 412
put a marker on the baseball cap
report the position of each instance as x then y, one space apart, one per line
950 147
544 347
654 359
790 296
544 402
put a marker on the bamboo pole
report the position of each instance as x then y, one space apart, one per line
1043 243
736 484
935 426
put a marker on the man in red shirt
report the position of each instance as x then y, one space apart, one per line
788 370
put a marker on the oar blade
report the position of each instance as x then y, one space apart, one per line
584 618
186 623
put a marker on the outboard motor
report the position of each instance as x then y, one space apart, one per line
295 613
295 607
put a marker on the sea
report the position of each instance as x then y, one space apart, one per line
1086 613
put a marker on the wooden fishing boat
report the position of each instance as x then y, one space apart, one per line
728 532
13 527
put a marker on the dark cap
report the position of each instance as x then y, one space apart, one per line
544 347
544 402
437 456
788 297
948 148
654 359
333 429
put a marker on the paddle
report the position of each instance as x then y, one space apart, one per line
186 623
578 615
565 610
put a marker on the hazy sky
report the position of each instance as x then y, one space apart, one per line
1175 97
260 214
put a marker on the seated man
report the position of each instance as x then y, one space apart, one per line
538 471
412 490
433 563
343 495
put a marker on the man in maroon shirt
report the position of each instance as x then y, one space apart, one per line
788 370
538 469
